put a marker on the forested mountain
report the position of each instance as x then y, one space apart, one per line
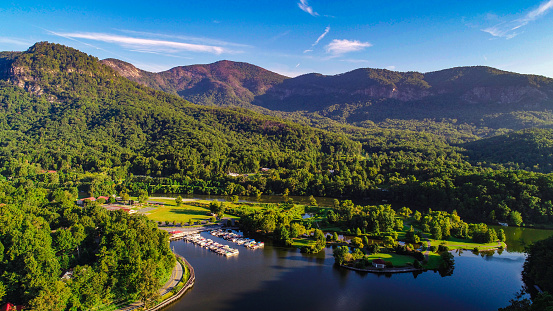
479 96
86 115
223 83
530 149
64 110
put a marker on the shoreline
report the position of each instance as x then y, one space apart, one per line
385 270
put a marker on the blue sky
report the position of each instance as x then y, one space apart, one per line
294 37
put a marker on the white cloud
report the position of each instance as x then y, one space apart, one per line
355 61
327 29
339 47
307 51
193 39
15 41
508 29
146 44
391 67
304 6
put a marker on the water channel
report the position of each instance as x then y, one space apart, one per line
277 278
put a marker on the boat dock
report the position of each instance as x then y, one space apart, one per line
215 247
237 238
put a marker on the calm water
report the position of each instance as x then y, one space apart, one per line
278 278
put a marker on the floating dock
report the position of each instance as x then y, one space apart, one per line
237 238
215 247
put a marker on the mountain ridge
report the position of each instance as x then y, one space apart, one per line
471 92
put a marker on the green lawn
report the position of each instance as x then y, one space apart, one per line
396 259
456 243
300 242
184 213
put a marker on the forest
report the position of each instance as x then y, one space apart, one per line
64 110
57 256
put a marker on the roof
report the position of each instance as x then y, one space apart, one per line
89 198
379 261
8 306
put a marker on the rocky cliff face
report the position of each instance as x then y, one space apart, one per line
505 95
125 69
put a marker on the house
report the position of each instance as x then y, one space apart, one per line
10 307
102 197
81 201
67 275
379 263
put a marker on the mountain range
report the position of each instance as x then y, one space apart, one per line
91 106
466 94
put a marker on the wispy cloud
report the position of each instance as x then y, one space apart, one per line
304 6
339 47
355 61
391 67
278 36
327 30
308 50
509 29
193 39
15 41
146 44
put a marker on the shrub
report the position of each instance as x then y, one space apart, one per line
418 256
433 248
389 264
443 248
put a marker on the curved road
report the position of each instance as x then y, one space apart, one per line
176 276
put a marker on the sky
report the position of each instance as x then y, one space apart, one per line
293 37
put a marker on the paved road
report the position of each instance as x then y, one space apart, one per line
176 276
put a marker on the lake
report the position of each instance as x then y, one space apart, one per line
277 278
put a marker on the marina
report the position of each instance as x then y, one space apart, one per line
237 238
215 247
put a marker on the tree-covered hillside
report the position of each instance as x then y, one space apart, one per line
530 149
86 116
480 97
66 111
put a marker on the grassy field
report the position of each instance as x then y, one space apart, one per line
169 211
456 243
184 213
396 259
300 242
